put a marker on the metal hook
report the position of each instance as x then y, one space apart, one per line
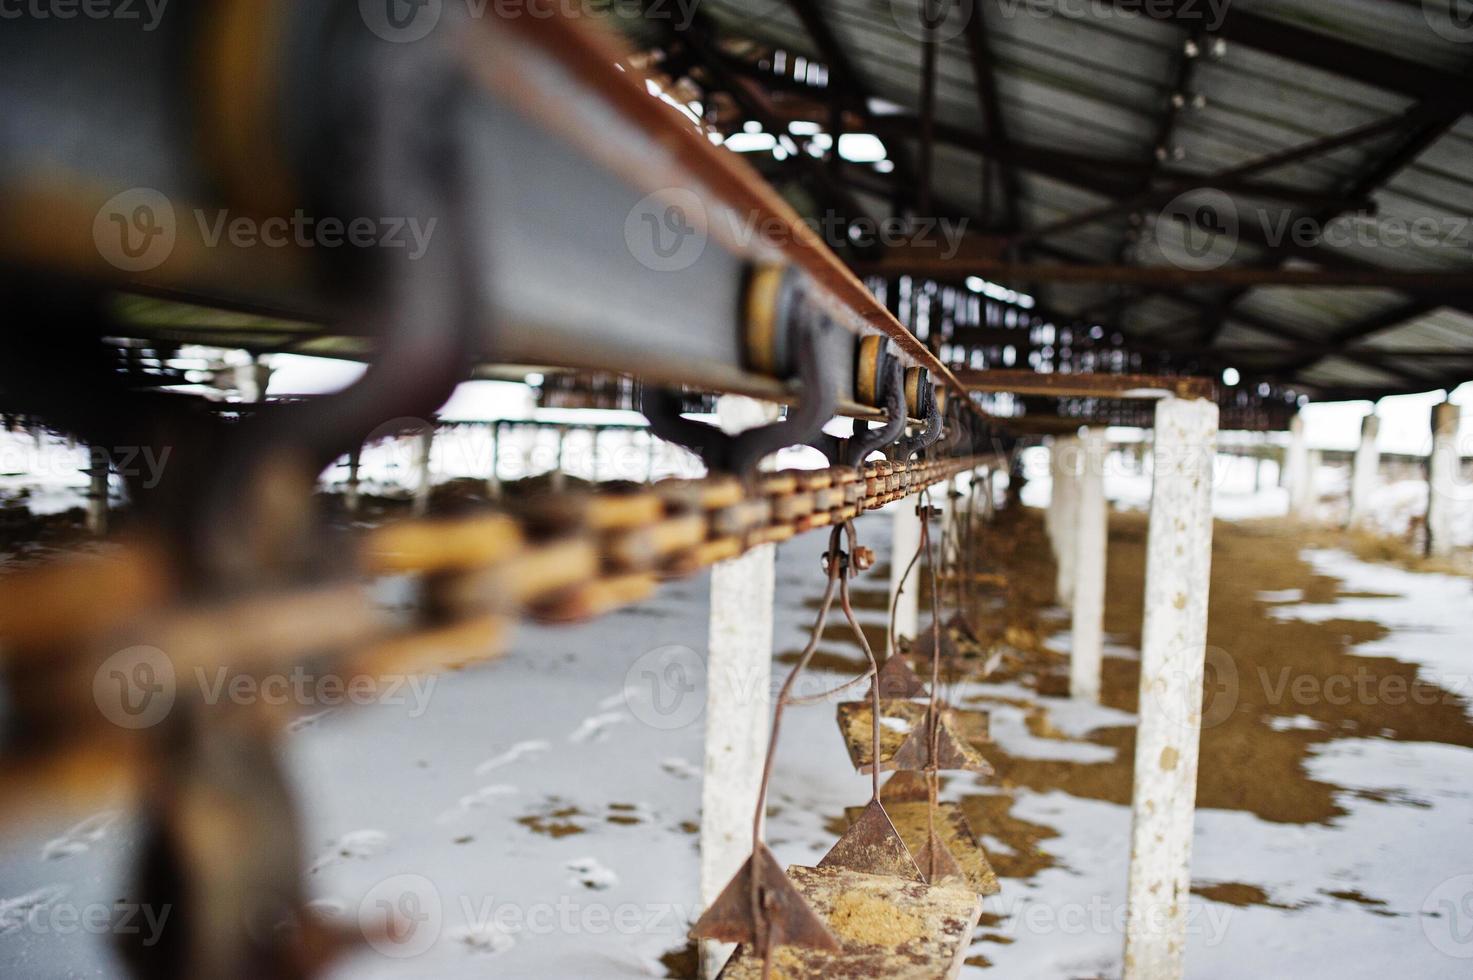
741 453
906 448
862 445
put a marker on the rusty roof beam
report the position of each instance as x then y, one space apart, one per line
984 70
1147 387
957 270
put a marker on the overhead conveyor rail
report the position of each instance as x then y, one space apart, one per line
659 236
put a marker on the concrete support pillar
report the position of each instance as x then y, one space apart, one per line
1363 470
559 477
738 695
1445 487
493 478
905 538
425 442
97 492
1091 535
1064 504
1173 655
1298 473
350 497
737 714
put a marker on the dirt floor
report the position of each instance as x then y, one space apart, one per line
1249 761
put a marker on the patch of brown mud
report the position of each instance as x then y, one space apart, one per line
1383 549
1263 668
555 819
1239 894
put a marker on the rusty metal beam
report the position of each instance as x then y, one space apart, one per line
1129 387
958 270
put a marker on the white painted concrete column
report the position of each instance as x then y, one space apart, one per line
351 496
1173 654
1051 515
737 718
1298 475
1445 487
97 492
424 443
738 695
905 538
1363 469
493 478
1090 540
559 477
1065 504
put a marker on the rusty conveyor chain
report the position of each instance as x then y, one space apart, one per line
555 558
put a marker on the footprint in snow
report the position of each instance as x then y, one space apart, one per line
680 768
357 844
307 721
489 938
595 729
478 800
591 873
512 754
81 837
16 912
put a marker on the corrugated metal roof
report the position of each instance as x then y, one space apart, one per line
1086 81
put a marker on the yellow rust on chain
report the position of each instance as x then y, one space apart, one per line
564 557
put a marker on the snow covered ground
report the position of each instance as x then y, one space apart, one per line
537 815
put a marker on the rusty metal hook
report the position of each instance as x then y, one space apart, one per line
740 454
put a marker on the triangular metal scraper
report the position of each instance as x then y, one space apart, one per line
962 625
874 846
923 645
788 919
906 786
937 863
952 749
897 680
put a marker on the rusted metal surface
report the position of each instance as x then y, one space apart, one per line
688 158
1144 387
888 927
914 820
60 621
906 738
